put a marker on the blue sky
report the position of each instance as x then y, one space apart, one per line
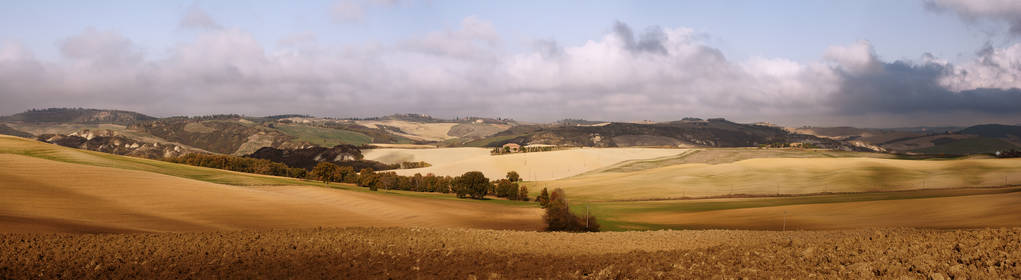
791 62
799 30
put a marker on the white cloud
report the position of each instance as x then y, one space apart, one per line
995 68
659 74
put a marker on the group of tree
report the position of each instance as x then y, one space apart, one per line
1012 153
239 164
559 217
524 149
471 184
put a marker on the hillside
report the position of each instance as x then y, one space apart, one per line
98 192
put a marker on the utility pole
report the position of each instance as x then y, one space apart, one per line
784 220
586 215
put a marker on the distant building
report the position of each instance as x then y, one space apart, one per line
511 147
797 145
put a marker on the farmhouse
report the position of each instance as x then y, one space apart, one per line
511 147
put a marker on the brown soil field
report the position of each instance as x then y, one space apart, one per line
39 195
430 253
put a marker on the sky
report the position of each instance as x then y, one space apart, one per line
823 63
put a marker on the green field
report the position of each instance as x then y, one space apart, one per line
614 216
324 137
761 173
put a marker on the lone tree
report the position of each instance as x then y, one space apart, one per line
472 183
513 176
558 216
543 198
326 172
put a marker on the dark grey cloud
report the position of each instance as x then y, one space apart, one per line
649 41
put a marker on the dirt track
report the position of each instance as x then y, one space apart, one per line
420 253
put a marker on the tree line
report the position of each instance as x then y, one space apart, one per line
472 184
239 164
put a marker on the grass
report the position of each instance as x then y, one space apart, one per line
768 176
613 215
324 137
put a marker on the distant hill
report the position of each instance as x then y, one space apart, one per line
701 133
77 115
308 158
979 139
6 130
994 131
242 135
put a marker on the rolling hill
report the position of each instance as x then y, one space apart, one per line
98 192
764 173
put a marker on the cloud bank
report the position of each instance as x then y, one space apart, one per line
658 73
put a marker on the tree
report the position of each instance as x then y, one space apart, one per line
387 180
368 179
523 193
346 174
512 192
543 198
558 216
472 183
418 183
503 187
326 172
513 176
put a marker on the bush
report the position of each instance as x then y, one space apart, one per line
558 216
